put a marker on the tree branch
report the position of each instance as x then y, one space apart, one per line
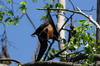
9 59
78 12
30 20
50 63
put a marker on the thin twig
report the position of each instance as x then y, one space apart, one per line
66 22
89 10
56 55
36 51
4 35
72 4
48 50
30 21
4 5
70 23
21 16
38 45
12 5
9 59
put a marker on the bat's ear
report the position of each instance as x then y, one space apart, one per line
33 35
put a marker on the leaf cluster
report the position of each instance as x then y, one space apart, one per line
8 17
85 42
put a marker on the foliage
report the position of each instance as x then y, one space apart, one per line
8 17
55 5
23 6
85 41
58 5
8 14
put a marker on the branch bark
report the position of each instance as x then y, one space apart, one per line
78 12
50 63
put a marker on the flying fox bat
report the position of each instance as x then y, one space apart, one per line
46 31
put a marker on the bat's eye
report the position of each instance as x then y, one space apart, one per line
46 30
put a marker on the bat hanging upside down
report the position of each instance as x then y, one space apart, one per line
46 31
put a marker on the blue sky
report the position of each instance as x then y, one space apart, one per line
20 36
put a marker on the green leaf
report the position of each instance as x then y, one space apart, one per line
16 20
87 24
1 17
10 13
87 45
43 17
23 3
9 1
82 21
94 34
53 51
76 46
58 5
1 12
5 12
94 49
8 23
50 55
7 19
78 28
48 6
72 38
1 6
41 59
23 8
56 50
19 64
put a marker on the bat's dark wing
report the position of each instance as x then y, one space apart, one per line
43 44
43 47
